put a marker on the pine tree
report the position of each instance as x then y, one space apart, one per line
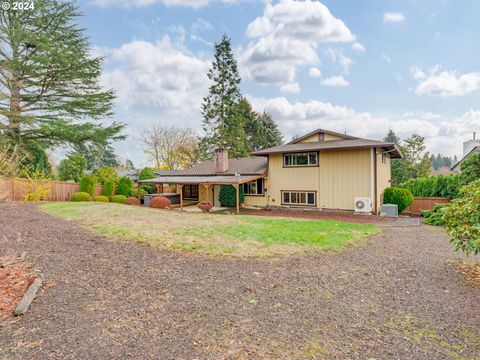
392 138
222 124
49 81
97 156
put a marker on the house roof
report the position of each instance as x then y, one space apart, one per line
474 150
317 131
353 143
242 166
212 179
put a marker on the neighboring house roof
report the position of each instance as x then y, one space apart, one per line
131 174
353 143
318 131
242 166
459 162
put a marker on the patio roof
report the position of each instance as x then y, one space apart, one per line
219 180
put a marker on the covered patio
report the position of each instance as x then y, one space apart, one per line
205 181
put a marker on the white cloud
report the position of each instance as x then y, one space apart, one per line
386 58
159 75
338 57
445 83
139 3
201 25
441 135
291 88
314 72
287 35
357 46
393 17
335 81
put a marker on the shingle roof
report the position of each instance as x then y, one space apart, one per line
474 150
330 145
242 166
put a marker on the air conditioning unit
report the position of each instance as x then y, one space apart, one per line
363 205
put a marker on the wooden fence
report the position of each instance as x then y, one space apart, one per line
15 189
424 203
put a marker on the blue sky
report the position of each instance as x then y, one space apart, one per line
354 66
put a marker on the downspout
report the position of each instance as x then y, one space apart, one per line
376 181
373 179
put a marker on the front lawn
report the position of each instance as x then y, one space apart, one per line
213 233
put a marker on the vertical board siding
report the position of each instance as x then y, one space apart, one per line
15 189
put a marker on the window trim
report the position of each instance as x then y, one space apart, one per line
263 188
301 153
299 191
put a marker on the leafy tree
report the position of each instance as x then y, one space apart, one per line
169 147
392 138
462 219
49 80
36 159
470 169
221 123
125 187
147 173
260 129
97 155
415 162
105 174
72 168
88 184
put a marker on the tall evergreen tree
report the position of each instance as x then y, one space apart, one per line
49 81
391 137
97 156
222 124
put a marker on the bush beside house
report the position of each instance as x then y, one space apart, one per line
132 201
160 202
125 187
228 196
400 197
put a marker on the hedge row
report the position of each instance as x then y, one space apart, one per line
434 186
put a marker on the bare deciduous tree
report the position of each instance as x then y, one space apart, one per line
170 147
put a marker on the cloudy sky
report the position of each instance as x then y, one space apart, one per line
354 66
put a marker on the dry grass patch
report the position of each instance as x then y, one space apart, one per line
470 269
213 233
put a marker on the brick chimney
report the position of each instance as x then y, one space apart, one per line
221 160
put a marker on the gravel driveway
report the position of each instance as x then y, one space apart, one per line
394 298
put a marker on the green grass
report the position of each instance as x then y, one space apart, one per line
213 233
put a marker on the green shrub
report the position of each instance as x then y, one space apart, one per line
106 173
462 219
72 168
125 187
81 196
101 198
435 216
147 173
470 169
433 186
108 188
400 197
88 183
119 199
228 196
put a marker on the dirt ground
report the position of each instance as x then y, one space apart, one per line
397 297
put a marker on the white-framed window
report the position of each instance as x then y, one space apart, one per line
306 198
255 187
300 159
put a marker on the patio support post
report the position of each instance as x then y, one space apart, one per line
207 187
181 196
158 189
237 188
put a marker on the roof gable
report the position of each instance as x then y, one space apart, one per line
313 136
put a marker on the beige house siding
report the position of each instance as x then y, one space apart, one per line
384 176
344 175
341 176
328 137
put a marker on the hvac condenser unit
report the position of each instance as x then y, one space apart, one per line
363 205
